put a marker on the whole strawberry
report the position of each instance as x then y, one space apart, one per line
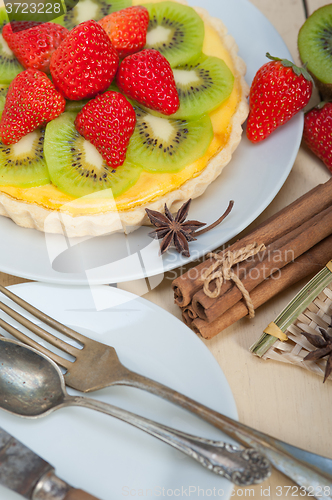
279 91
31 101
148 78
108 122
34 46
127 29
317 133
85 63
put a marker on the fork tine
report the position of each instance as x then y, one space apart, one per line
43 317
55 341
27 340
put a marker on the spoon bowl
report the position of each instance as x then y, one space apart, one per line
30 386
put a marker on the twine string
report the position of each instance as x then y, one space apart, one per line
221 271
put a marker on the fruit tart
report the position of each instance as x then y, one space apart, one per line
54 178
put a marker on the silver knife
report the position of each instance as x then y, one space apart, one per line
23 471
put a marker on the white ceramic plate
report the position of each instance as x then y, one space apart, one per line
253 178
100 454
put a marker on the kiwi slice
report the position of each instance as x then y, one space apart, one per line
76 106
166 145
90 9
202 87
9 65
3 92
75 165
315 46
175 30
23 164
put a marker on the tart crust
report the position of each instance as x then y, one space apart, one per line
33 215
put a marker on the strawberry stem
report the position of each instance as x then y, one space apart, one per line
288 64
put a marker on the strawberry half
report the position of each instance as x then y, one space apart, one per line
15 27
33 46
85 63
148 78
31 101
317 133
127 29
279 91
108 122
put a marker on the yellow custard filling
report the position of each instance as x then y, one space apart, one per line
149 186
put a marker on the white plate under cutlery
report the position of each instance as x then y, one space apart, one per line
100 454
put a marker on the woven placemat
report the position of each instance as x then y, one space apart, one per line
310 310
317 314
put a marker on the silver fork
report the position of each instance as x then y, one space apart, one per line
97 366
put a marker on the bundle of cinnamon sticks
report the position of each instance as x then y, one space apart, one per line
298 243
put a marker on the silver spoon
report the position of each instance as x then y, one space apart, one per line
32 385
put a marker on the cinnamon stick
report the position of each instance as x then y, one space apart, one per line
277 255
188 315
295 214
309 263
206 307
189 311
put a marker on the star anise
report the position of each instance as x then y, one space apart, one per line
176 230
324 348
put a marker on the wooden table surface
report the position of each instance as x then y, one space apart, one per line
282 400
